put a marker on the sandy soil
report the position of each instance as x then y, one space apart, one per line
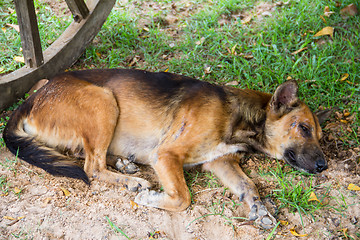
43 209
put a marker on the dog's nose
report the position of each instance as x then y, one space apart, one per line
320 165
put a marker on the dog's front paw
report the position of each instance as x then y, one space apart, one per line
261 215
136 184
149 198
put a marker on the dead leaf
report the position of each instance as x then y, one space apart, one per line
344 77
65 191
246 19
11 10
344 230
201 41
353 187
9 218
14 26
3 29
146 29
324 20
46 201
325 31
313 197
134 205
233 52
298 51
19 59
346 113
207 70
327 11
293 232
232 83
17 190
283 222
350 10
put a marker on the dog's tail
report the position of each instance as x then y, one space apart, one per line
29 149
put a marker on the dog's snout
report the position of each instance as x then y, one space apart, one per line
320 165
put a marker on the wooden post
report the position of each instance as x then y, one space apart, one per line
78 9
29 33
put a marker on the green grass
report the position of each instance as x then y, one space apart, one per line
293 191
50 27
116 228
4 186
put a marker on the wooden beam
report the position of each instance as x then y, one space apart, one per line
29 33
78 9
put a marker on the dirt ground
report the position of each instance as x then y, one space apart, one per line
40 206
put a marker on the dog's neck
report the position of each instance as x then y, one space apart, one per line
247 118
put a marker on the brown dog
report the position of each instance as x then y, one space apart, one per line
167 121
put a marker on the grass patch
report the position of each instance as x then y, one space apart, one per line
116 228
4 186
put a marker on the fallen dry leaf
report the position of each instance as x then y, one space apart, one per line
3 29
233 52
324 20
325 31
17 190
65 191
344 77
283 222
207 70
14 26
201 41
350 10
19 59
293 232
313 197
353 187
327 11
246 19
300 50
134 205
232 83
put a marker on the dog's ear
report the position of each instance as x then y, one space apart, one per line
285 97
323 115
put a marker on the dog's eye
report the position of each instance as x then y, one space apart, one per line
305 130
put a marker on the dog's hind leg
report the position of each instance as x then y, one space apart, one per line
97 134
231 175
176 195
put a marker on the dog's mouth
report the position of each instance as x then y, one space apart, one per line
290 157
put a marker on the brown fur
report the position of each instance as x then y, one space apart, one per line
166 121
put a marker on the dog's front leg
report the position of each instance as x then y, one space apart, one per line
231 175
176 195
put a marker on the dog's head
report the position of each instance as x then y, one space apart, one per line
293 131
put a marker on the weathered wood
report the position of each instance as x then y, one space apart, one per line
29 33
59 56
78 9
